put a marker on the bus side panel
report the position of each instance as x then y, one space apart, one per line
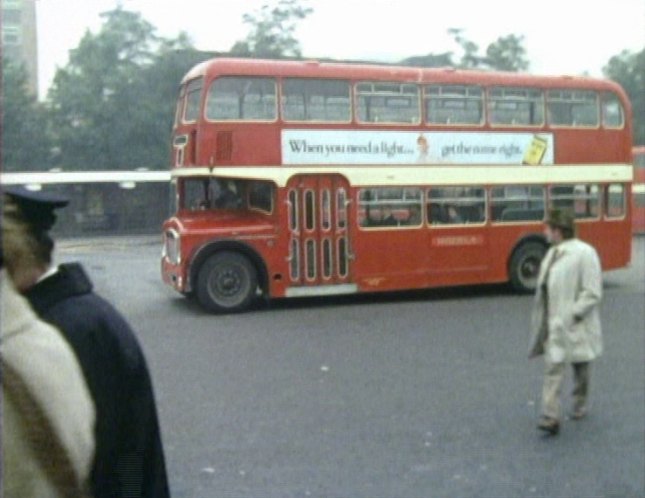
638 212
458 255
239 144
505 238
608 238
584 146
390 259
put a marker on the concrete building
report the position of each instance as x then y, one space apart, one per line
19 39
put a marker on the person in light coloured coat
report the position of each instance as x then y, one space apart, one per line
47 412
566 318
129 459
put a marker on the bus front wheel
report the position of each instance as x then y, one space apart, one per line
226 282
525 266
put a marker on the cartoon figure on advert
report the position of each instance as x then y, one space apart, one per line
423 147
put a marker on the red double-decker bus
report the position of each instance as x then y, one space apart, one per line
311 179
638 190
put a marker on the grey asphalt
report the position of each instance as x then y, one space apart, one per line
416 394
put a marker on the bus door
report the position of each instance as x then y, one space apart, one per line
318 226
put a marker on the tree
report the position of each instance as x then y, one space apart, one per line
112 104
507 54
157 91
26 141
469 58
430 60
628 70
92 96
272 33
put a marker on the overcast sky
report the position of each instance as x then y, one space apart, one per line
560 36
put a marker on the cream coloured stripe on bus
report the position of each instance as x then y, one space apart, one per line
638 188
422 175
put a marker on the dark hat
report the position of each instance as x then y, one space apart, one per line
561 218
36 207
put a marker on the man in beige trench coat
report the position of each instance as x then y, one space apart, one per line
566 320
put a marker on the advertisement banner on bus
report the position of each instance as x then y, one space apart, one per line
415 147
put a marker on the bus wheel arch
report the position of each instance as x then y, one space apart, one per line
524 262
225 276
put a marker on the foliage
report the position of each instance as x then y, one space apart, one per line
112 105
469 58
272 33
430 60
628 69
507 53
26 140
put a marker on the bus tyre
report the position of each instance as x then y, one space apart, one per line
226 282
525 266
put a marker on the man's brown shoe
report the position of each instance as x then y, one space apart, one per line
579 414
549 425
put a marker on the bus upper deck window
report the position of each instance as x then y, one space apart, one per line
639 159
193 99
454 104
613 115
572 108
515 106
180 104
238 98
384 102
315 100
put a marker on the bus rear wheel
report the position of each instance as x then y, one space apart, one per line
226 283
525 266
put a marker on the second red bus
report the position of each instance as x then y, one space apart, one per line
638 190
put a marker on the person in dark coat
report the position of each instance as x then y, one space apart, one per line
129 459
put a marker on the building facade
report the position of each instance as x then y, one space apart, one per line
19 38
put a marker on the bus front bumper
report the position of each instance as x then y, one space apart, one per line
172 275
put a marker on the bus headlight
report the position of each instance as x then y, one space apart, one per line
172 247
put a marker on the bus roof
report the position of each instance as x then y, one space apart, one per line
369 71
